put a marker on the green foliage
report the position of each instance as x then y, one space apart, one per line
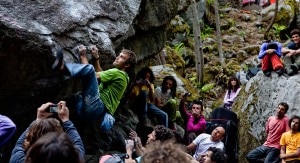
207 87
210 2
242 33
179 48
206 32
277 28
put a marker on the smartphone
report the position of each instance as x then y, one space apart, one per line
53 108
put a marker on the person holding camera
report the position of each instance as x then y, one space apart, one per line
142 96
194 121
44 124
98 102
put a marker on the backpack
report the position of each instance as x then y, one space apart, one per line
251 72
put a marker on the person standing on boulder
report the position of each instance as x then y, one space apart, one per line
291 53
275 127
270 53
98 102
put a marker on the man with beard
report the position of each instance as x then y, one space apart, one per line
275 127
290 142
204 141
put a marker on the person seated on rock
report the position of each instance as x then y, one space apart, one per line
231 93
160 133
164 98
275 127
215 155
53 147
44 124
291 53
98 102
166 152
204 141
142 96
7 129
290 142
194 121
270 53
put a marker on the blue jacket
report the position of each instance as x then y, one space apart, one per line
264 47
18 154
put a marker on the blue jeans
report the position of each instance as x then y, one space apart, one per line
269 154
89 105
145 108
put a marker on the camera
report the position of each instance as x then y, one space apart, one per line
187 94
141 81
53 108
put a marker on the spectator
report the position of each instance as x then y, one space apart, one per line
204 141
166 152
291 53
270 53
290 142
7 129
99 102
231 93
195 122
164 99
275 127
53 147
160 133
214 155
142 97
43 125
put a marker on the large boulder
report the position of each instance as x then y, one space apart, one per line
285 15
257 101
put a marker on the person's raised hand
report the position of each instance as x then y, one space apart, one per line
63 111
42 111
82 50
94 51
129 144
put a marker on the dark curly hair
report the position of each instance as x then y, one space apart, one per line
295 32
162 133
286 106
166 152
197 102
218 155
142 74
294 117
173 88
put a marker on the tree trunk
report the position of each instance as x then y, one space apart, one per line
266 37
198 44
219 39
